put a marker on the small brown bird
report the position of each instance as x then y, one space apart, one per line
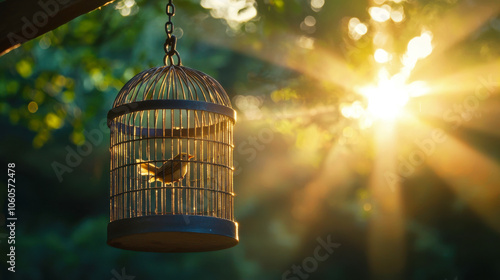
170 172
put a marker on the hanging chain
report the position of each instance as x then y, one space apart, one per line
171 41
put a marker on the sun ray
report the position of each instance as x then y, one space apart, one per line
456 25
472 176
466 81
288 51
467 112
324 66
386 232
485 118
336 171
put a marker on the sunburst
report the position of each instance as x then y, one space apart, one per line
415 97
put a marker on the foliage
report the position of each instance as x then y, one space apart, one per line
297 179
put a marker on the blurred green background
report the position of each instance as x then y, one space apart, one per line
310 155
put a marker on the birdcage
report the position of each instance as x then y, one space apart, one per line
162 113
172 161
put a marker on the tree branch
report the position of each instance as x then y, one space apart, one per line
24 20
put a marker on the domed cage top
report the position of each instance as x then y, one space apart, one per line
172 163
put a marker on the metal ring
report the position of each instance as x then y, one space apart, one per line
169 27
170 10
170 45
169 58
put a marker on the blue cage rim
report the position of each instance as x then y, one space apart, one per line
170 104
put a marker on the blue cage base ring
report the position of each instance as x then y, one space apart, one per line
176 233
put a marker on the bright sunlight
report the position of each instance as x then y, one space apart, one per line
388 96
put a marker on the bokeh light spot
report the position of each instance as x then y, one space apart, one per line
367 207
53 121
380 14
381 56
357 29
317 5
397 16
32 107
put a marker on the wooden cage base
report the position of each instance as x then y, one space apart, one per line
173 233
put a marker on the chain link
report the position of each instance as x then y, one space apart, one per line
170 11
171 41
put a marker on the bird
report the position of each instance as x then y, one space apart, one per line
170 172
